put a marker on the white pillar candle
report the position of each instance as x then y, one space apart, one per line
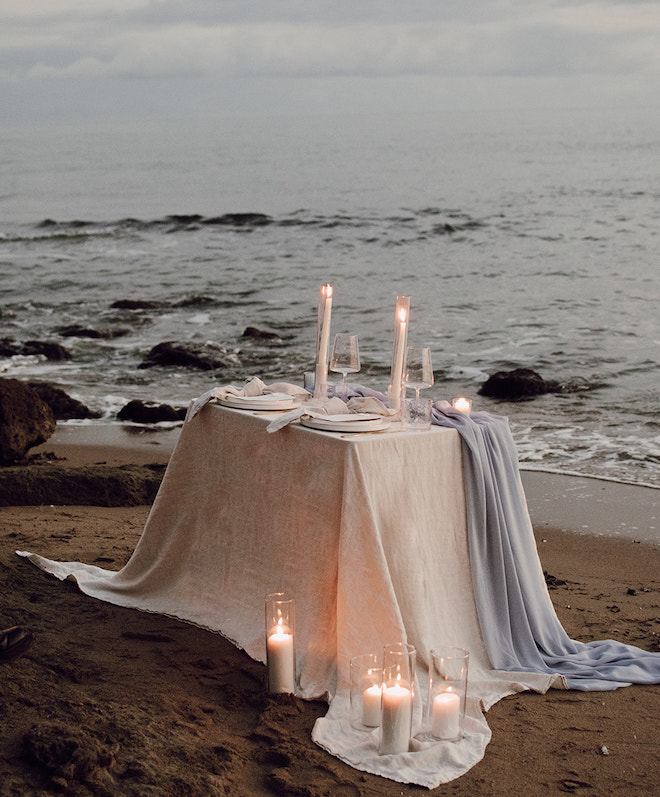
371 698
399 350
323 342
446 716
396 720
281 662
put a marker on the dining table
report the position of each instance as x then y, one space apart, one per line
367 531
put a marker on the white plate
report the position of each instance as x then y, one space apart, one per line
357 422
271 402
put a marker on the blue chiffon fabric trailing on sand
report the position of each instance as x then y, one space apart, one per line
518 622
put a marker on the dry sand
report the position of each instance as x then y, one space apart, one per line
112 701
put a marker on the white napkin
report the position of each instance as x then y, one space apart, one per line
333 406
253 387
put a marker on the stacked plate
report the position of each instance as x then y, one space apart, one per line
270 402
355 422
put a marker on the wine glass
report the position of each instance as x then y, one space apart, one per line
418 371
345 357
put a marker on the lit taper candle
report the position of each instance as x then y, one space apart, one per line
323 342
401 322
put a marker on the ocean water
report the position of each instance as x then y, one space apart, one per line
523 240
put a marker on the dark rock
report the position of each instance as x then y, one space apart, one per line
149 412
260 334
241 220
205 357
444 229
64 407
137 304
51 351
90 485
190 218
8 347
79 331
518 384
196 301
25 420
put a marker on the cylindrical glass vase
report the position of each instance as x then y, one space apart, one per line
447 696
366 691
397 699
280 643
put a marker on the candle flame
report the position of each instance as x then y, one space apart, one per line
402 315
327 291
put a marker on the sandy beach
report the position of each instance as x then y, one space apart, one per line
112 701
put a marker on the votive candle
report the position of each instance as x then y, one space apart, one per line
463 405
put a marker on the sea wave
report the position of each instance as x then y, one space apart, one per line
423 223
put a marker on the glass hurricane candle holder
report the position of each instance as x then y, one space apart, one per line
280 643
462 404
447 696
397 698
366 689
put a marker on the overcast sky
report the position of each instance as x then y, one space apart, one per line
109 59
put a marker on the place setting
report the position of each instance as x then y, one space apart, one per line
344 408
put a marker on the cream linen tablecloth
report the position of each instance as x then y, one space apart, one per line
368 533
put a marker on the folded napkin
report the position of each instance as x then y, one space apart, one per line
333 406
252 387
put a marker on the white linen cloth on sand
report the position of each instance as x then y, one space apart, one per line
368 534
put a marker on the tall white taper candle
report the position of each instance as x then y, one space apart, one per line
322 342
399 349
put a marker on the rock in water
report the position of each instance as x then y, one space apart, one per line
205 357
260 334
25 420
140 411
517 384
64 407
51 351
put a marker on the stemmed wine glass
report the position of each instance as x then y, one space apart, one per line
345 357
418 371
